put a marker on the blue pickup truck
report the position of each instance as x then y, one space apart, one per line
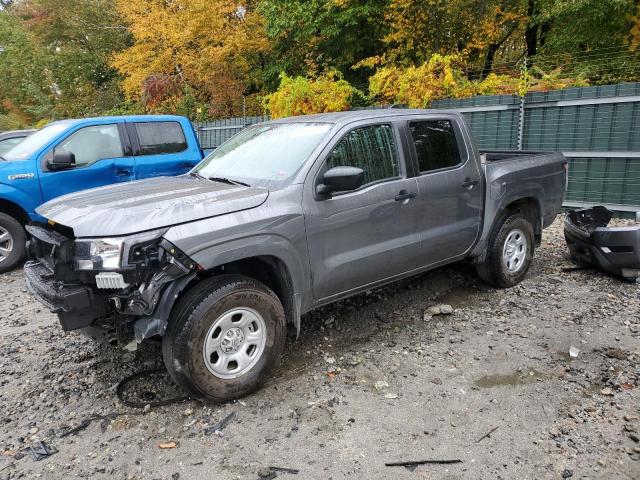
71 155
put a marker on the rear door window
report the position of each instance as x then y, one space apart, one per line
436 144
157 138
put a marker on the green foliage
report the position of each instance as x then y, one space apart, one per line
24 90
76 37
309 37
303 96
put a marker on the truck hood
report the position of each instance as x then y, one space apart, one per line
143 205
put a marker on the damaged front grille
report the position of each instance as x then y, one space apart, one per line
53 249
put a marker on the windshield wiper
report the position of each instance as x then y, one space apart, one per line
3 159
228 181
197 175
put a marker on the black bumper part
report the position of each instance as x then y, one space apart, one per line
615 250
77 306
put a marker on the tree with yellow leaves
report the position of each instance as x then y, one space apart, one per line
191 52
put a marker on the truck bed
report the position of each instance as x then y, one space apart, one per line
512 175
499 155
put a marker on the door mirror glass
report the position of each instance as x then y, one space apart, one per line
61 160
341 179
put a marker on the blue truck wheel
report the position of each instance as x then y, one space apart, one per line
12 243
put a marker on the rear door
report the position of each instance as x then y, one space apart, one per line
359 237
161 148
449 185
101 159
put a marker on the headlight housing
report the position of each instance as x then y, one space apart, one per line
111 253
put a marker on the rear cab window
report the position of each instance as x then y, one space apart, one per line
436 145
158 138
8 143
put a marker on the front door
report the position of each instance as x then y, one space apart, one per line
357 238
450 189
100 160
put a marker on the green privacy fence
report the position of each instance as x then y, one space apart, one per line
597 128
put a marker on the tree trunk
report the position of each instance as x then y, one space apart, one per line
531 32
488 60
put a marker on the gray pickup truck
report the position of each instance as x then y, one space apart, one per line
286 216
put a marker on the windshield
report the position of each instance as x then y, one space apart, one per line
264 155
35 142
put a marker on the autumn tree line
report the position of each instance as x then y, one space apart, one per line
220 58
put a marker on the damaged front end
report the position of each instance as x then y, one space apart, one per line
116 289
615 250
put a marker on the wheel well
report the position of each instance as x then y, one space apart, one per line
529 208
272 272
14 210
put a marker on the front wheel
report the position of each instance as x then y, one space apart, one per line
509 252
12 243
224 337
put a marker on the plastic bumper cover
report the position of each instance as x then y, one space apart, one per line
615 250
77 306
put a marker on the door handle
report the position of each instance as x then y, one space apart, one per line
404 195
123 172
188 165
469 184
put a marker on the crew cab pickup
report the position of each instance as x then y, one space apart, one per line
284 217
71 155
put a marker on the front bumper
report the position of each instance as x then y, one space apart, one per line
615 250
77 306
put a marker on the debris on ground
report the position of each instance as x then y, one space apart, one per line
292 471
573 351
167 445
488 434
380 385
220 426
41 450
442 309
413 464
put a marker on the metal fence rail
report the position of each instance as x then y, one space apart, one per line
597 128
214 133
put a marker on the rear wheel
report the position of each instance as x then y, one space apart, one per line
509 252
224 337
12 243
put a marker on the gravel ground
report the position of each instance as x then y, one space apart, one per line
373 379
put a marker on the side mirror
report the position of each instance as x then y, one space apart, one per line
340 179
61 160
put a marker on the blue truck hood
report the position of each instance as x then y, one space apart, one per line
127 208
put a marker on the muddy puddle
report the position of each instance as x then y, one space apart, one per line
508 380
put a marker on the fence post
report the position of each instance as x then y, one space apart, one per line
521 123
244 111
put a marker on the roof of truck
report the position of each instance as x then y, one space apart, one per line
355 115
122 118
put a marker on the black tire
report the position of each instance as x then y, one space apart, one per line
494 270
18 242
189 325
